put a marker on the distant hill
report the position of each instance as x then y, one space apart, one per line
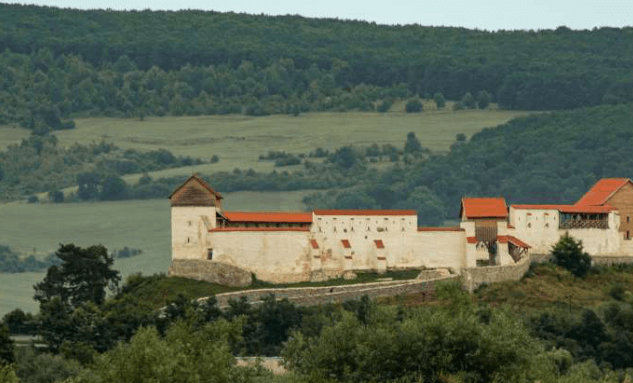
138 63
542 158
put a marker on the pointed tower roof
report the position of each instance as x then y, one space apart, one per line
195 192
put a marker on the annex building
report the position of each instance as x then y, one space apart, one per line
209 243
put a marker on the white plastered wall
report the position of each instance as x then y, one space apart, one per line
274 256
189 226
539 229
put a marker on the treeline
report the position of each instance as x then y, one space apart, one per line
14 262
543 158
194 62
39 164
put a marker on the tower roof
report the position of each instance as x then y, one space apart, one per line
194 192
601 191
483 208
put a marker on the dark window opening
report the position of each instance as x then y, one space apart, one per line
210 254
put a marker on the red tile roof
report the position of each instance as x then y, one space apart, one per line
379 244
514 240
471 239
586 209
276 217
567 208
484 208
365 212
346 244
539 207
234 229
601 191
456 228
314 244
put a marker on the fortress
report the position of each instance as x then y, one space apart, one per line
211 244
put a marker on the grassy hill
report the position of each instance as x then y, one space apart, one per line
239 140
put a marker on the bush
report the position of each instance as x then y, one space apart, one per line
384 106
56 196
440 102
568 253
617 291
32 199
414 106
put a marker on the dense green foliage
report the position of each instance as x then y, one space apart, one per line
192 62
39 164
569 254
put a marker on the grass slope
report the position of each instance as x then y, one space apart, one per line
549 288
39 228
239 140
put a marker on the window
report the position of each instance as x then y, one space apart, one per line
628 235
210 254
628 218
529 225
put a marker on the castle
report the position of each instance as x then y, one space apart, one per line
211 244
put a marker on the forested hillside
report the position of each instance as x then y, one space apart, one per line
61 62
545 158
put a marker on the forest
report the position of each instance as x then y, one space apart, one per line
59 63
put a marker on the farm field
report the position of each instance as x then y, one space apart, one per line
239 140
141 224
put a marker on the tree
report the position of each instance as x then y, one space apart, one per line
412 144
440 102
483 99
344 157
568 253
6 346
56 196
113 188
83 276
413 106
468 101
460 137
88 186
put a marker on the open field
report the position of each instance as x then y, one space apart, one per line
239 140
144 225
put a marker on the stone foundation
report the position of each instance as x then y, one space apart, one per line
475 276
208 271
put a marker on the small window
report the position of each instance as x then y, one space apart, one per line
210 254
547 225
189 223
628 218
628 234
529 225
187 239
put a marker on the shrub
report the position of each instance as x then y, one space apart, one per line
32 199
413 106
384 106
617 291
568 253
440 102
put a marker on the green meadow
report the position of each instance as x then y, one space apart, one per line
145 225
239 140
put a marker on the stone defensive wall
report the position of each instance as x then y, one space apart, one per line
306 296
475 276
214 272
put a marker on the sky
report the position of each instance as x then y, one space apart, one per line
481 14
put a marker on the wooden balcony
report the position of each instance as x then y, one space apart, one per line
585 224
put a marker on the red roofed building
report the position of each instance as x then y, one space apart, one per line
616 193
483 208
